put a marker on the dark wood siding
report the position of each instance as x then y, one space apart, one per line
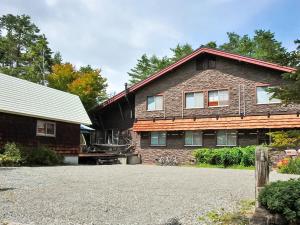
22 130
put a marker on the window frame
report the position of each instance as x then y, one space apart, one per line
46 123
226 132
256 95
154 96
193 92
218 97
193 131
158 138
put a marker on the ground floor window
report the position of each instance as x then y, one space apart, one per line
158 138
45 128
226 138
193 138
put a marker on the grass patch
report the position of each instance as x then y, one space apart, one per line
240 217
238 167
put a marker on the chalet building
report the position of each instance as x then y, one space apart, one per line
209 98
33 115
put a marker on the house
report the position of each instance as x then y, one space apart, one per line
209 98
34 115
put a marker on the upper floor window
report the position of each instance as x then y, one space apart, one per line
206 63
45 128
158 138
194 100
226 138
193 138
154 103
218 98
265 97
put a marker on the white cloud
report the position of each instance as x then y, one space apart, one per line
111 35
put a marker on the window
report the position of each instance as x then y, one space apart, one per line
193 138
218 98
154 103
45 128
158 138
264 97
226 138
194 100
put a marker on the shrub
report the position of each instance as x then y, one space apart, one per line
291 166
226 156
282 197
11 155
41 156
285 139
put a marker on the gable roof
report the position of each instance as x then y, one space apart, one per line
194 54
25 98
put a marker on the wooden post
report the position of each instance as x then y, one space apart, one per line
261 170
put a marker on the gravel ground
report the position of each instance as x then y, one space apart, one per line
119 194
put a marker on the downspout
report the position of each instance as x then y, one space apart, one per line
239 99
244 100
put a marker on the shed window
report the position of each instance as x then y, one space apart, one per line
194 100
265 97
226 138
158 138
218 98
193 138
154 103
45 128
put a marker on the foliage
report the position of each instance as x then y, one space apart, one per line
86 82
292 166
148 65
41 156
24 51
239 217
227 156
11 155
282 197
285 139
235 167
262 45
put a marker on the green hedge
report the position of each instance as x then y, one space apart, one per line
226 156
282 197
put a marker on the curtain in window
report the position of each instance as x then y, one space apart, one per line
213 98
189 100
221 138
223 97
189 138
158 138
158 102
198 99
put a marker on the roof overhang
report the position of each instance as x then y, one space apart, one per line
221 123
196 53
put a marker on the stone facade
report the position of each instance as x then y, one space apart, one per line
240 79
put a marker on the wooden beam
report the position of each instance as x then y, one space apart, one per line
121 112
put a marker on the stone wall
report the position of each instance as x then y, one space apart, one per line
228 74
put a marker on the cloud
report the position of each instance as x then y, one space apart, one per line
111 35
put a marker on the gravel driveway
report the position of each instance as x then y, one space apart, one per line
119 194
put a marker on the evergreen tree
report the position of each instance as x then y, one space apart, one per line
141 71
24 52
181 51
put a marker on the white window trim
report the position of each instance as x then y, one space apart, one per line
193 140
151 110
268 103
218 106
45 134
193 93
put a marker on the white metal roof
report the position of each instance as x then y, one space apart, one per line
25 98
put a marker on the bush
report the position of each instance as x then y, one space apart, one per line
41 156
285 139
292 166
226 156
11 155
282 197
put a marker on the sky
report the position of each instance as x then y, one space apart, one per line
113 34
